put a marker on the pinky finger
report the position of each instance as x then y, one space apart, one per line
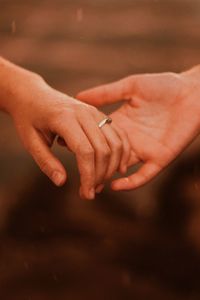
147 172
45 159
126 154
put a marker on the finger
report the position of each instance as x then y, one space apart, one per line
80 145
62 143
45 159
116 148
123 89
100 188
106 94
133 160
126 153
99 143
114 143
147 172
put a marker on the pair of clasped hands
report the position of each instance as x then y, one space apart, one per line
159 116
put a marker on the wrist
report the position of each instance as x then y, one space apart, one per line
14 81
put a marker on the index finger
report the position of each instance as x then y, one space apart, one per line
146 173
81 147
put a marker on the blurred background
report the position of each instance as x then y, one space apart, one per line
138 245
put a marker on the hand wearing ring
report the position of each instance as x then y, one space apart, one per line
111 150
105 121
118 143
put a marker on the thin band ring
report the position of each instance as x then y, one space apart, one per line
105 121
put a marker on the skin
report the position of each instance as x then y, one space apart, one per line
160 114
40 114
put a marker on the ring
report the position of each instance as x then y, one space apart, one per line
105 121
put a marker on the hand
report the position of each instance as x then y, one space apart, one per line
160 114
41 113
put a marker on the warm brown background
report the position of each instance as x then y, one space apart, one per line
138 245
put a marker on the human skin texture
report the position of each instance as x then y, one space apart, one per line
41 113
160 114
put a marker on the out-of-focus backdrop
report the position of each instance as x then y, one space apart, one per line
138 245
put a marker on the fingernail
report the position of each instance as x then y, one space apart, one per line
58 178
99 188
91 194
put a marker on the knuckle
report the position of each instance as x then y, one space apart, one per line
86 152
93 109
127 85
86 109
82 107
61 116
118 146
170 74
131 78
105 152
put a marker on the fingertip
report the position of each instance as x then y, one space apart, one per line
91 194
81 95
87 194
78 96
100 188
59 178
121 184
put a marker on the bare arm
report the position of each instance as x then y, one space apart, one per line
40 113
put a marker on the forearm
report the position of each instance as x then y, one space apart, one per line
12 81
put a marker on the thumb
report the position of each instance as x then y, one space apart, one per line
106 94
46 160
